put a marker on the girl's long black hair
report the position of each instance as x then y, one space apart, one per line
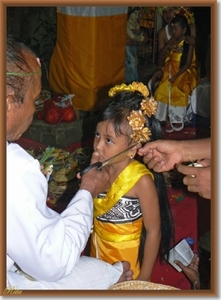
116 112
182 21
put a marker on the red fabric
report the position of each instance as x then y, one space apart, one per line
27 143
184 210
187 133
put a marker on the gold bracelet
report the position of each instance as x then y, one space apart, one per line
195 283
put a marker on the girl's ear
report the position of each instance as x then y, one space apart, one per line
132 153
138 146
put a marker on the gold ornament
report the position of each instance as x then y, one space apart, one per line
134 86
149 107
137 121
139 86
179 10
130 155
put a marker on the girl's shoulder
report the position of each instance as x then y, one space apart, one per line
146 179
142 187
144 184
143 178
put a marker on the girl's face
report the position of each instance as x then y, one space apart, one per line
107 144
177 31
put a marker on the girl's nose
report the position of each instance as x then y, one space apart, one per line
98 144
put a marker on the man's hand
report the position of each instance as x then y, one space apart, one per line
95 181
161 155
191 271
198 179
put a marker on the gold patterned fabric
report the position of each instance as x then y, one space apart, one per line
118 220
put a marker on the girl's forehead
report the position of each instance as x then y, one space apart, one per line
109 128
175 25
106 126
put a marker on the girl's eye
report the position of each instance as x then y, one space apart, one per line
108 141
97 134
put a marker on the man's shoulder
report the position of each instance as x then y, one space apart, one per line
17 155
162 33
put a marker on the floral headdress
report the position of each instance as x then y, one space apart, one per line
137 121
179 10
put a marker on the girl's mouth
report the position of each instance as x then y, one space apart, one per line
96 154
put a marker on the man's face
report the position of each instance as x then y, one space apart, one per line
168 14
20 115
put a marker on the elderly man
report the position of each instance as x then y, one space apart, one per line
44 247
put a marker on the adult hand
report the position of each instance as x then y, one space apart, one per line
42 168
127 272
191 271
95 181
161 155
198 179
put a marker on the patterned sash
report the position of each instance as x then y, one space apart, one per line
122 184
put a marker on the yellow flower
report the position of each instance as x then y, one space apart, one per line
139 86
141 136
136 120
149 107
120 88
134 86
184 11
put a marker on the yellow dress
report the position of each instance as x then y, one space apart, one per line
118 220
173 97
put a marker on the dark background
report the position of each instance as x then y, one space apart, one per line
36 26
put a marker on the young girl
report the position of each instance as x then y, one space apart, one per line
132 220
168 13
178 68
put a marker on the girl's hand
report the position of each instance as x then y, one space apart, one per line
190 40
171 44
157 74
172 79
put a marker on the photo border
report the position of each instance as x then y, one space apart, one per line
214 134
